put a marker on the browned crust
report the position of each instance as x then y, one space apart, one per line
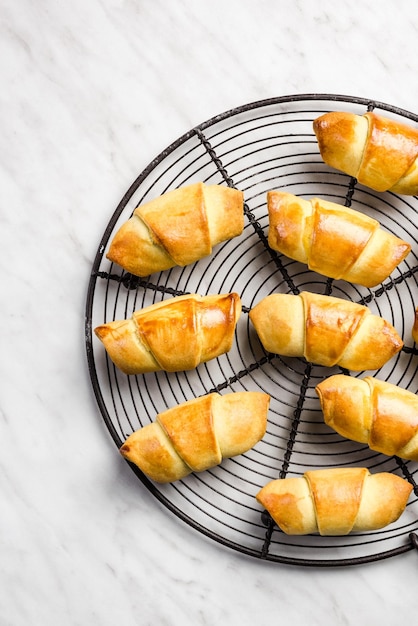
335 501
173 335
177 228
390 150
379 151
372 411
197 434
331 323
333 240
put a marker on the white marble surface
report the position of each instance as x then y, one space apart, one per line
91 92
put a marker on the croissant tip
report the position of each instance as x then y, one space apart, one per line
125 449
100 331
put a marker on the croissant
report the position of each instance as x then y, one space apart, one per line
172 335
372 411
177 228
380 152
198 434
333 240
335 501
415 327
325 330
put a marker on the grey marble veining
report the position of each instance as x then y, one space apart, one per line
91 92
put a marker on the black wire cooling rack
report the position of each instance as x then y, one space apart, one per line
260 146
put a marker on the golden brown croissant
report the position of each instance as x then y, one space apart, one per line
173 335
380 152
335 501
177 228
415 327
333 240
372 411
198 434
325 330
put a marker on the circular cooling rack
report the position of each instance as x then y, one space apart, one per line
264 145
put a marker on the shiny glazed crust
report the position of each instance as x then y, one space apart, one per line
335 501
173 335
177 228
198 434
324 330
380 152
333 240
372 411
415 327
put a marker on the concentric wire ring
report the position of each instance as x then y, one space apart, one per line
257 147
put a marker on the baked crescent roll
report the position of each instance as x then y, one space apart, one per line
177 228
333 240
415 327
372 411
198 434
324 330
173 335
380 152
335 501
